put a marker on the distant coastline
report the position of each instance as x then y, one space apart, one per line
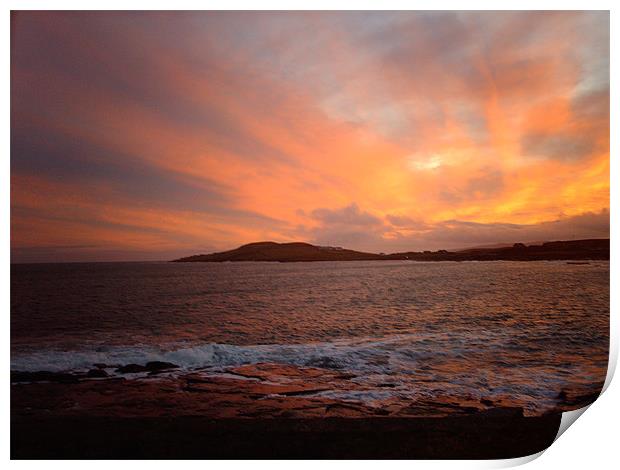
590 249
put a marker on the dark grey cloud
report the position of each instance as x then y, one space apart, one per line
585 133
556 146
488 183
350 215
131 60
592 106
401 233
68 159
404 221
454 234
95 253
345 226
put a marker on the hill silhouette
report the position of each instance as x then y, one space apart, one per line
592 249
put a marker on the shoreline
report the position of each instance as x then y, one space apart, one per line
262 390
248 415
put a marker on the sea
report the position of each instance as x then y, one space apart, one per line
496 329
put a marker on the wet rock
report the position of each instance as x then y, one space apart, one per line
151 367
346 376
157 366
324 362
577 398
300 390
131 369
273 372
96 374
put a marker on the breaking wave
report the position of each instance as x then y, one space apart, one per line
378 356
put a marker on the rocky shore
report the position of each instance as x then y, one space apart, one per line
259 411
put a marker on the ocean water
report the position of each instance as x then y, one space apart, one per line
522 330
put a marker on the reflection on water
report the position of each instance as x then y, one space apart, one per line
518 331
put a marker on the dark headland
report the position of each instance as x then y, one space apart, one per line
592 249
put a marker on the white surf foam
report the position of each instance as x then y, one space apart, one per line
372 356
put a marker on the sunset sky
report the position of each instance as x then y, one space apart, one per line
140 136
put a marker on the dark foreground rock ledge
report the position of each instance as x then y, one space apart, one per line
195 437
263 411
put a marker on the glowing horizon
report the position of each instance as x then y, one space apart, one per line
156 135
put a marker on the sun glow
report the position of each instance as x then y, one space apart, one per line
371 135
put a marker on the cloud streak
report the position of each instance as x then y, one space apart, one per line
128 137
401 233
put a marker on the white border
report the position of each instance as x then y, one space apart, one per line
310 5
591 443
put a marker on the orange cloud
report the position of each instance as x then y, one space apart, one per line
126 136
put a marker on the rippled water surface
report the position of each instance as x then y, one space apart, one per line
525 330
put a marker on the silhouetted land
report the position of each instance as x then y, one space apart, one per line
593 249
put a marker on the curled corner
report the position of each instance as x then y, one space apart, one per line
518 461
568 418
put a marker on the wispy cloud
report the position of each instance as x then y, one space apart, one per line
129 137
